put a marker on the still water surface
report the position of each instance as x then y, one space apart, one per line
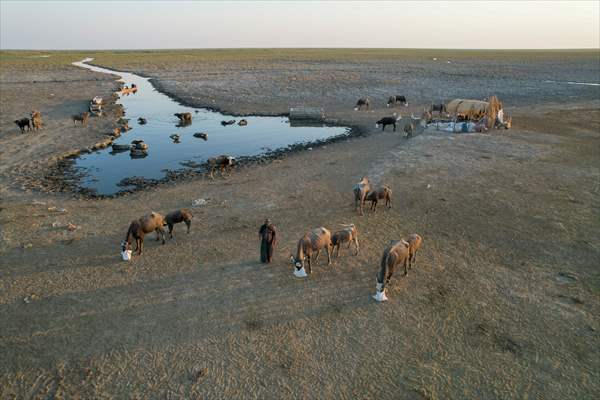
105 169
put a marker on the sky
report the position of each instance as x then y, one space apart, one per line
68 25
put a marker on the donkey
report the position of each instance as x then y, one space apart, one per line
177 216
361 189
363 101
348 234
83 118
396 253
23 123
382 193
311 242
138 228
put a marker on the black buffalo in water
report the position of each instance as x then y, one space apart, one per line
230 122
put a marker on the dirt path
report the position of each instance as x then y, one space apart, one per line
502 303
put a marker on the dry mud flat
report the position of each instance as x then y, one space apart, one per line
503 302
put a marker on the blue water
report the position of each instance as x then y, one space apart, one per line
105 169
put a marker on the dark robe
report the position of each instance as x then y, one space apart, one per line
268 238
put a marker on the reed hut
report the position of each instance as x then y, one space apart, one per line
474 110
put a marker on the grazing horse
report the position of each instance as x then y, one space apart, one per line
387 121
177 216
441 108
22 123
311 242
361 189
138 228
393 100
363 101
395 254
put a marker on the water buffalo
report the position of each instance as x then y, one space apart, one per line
363 101
393 100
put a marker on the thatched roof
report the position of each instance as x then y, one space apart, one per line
471 109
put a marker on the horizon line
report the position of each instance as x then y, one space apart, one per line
310 48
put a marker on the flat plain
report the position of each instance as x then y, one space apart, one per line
503 301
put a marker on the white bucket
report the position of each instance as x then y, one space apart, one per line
126 255
300 273
380 296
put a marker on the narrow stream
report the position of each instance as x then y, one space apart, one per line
105 170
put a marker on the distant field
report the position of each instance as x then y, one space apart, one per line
26 57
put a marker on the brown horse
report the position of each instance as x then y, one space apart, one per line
175 217
382 193
349 234
361 189
311 242
395 254
138 228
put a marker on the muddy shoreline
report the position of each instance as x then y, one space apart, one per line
65 168
71 176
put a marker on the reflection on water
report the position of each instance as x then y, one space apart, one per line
172 143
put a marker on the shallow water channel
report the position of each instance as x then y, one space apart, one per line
103 170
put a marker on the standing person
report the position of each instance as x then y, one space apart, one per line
268 237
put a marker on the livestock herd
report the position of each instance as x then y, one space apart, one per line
401 252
